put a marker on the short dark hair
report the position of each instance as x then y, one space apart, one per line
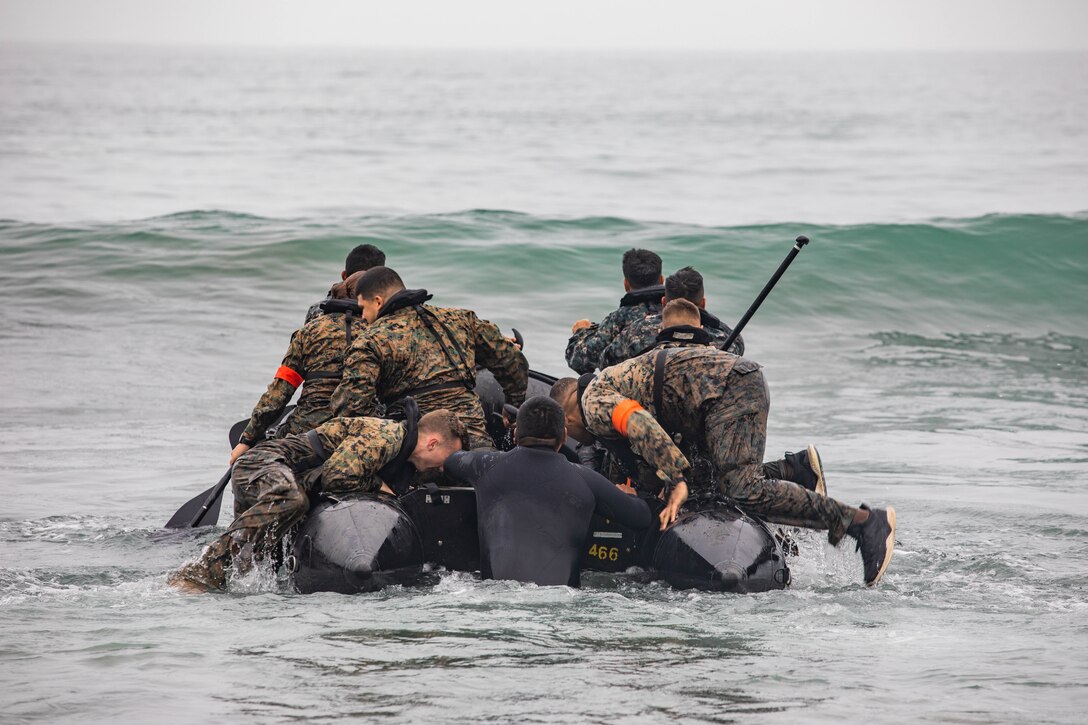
540 422
378 281
362 258
679 312
685 284
641 267
562 389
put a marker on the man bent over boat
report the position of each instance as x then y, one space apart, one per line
273 482
713 404
430 353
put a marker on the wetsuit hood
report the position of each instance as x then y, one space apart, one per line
644 296
686 334
402 299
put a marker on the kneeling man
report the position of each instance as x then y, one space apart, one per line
534 507
272 482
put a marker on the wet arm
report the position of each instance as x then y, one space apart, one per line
468 467
615 505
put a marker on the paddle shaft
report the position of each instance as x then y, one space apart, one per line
214 493
800 242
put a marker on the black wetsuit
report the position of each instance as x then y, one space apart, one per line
534 509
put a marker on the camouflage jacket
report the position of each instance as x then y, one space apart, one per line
398 355
694 376
639 335
585 346
314 360
357 449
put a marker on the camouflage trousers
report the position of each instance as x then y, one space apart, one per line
268 500
736 436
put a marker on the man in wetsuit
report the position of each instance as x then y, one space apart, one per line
272 483
534 507
713 404
642 282
314 361
360 259
429 353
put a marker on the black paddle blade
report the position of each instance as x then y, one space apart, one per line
202 509
236 432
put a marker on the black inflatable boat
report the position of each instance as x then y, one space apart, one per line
362 543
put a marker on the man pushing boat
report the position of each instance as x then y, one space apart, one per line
714 405
273 482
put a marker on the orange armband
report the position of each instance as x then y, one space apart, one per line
622 413
290 376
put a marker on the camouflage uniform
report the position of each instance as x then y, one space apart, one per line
637 337
398 355
271 483
585 346
715 404
315 355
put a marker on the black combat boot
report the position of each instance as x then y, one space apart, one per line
876 541
804 468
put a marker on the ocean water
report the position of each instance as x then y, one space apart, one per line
166 217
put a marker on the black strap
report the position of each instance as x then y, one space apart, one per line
347 331
463 367
316 446
659 383
398 472
437 386
326 375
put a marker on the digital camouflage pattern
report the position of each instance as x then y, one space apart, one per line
585 347
360 447
273 481
317 347
715 405
397 355
638 335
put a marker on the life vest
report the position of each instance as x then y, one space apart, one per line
415 298
644 296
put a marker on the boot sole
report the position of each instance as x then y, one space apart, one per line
889 547
817 467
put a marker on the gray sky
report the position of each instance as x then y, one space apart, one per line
742 25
